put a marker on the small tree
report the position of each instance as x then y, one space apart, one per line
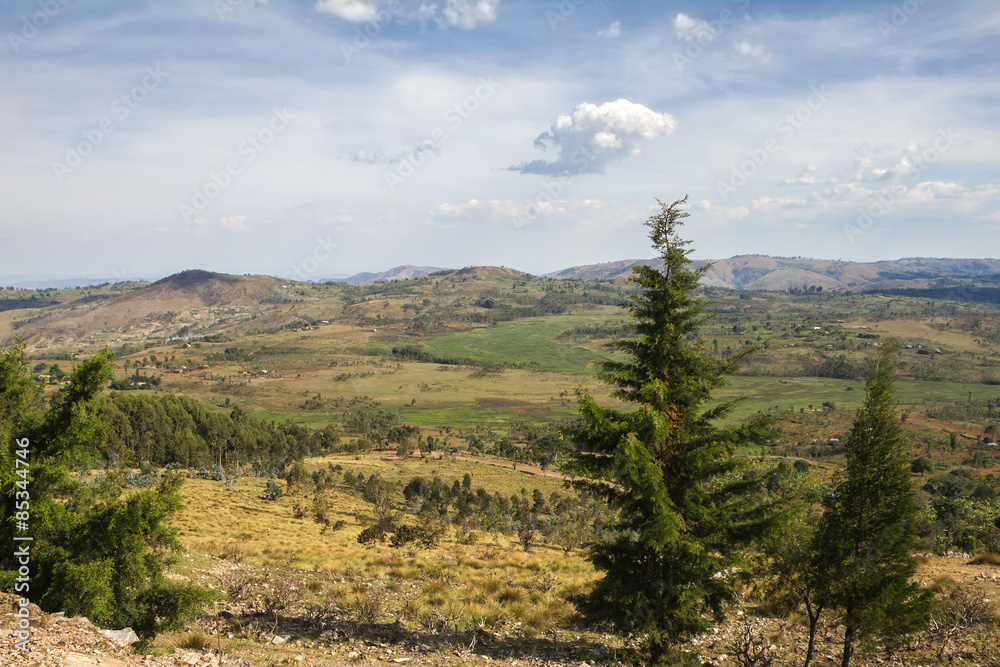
96 551
867 530
683 501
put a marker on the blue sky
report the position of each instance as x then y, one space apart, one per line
318 138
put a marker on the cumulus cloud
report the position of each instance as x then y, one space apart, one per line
747 49
613 31
465 14
469 15
355 11
237 223
591 137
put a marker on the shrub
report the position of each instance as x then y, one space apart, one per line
371 534
272 491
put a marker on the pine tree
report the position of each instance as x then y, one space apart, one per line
684 502
865 536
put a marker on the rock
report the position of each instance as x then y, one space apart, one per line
278 639
124 636
82 660
229 660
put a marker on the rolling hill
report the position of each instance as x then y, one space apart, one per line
190 302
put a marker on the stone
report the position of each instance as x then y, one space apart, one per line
125 636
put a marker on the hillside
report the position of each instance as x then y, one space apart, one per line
760 272
188 303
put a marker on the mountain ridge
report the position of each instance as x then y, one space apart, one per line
763 272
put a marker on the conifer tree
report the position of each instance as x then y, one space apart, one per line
863 543
684 502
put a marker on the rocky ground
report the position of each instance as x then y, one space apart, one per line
966 634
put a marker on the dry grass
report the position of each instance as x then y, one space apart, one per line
986 559
196 639
489 584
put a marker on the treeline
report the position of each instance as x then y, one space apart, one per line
504 307
179 431
965 411
838 367
414 353
962 511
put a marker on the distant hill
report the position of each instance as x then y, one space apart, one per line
760 272
396 273
67 283
190 301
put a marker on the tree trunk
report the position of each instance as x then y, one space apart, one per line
848 648
814 615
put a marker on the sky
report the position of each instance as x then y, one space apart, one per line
316 138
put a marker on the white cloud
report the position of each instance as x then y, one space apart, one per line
593 136
613 31
805 175
236 223
751 51
355 11
469 15
772 203
425 147
689 29
507 212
